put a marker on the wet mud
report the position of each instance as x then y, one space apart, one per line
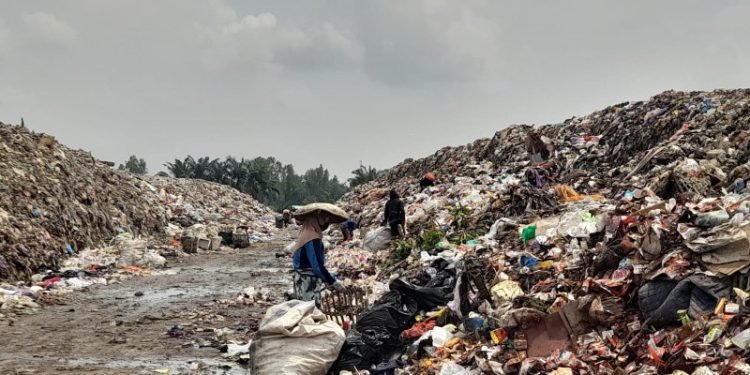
124 328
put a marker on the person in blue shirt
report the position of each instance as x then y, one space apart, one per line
347 229
309 258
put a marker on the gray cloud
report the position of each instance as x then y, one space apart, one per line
50 29
423 42
262 40
4 39
337 81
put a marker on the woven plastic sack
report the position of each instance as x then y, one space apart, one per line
295 338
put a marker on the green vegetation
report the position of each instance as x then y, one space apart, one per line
461 216
363 175
134 166
430 238
266 179
402 249
462 236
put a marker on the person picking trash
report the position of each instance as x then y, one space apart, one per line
347 229
429 179
287 217
309 255
395 215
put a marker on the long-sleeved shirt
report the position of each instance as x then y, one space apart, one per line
394 212
350 224
312 256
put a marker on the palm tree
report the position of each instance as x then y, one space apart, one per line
217 171
179 169
363 175
202 168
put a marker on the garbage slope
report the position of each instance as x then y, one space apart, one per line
55 201
617 242
628 145
194 201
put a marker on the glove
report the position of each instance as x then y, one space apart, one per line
338 286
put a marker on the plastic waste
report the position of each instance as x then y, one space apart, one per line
295 337
378 239
377 331
742 339
703 370
440 336
528 233
451 368
711 219
235 349
507 290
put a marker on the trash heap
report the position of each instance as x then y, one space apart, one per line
205 209
55 201
622 248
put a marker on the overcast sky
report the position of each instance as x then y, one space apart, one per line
336 82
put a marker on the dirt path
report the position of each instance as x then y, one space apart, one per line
115 330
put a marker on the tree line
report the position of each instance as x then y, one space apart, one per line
268 180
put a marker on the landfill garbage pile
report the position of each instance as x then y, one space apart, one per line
55 201
677 143
618 141
124 257
213 207
614 243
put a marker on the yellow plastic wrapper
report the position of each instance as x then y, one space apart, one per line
568 194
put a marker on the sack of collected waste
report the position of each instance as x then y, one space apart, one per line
378 239
295 338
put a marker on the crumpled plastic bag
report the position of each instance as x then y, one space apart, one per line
451 368
437 292
440 336
528 233
703 370
742 339
507 290
581 224
497 226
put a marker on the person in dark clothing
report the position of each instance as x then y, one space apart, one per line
287 217
395 215
429 179
347 229
309 259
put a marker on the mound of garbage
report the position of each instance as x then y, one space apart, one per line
55 201
614 243
209 208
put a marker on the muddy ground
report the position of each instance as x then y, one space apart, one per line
114 329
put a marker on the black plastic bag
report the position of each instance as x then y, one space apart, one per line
377 332
355 354
660 299
437 292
